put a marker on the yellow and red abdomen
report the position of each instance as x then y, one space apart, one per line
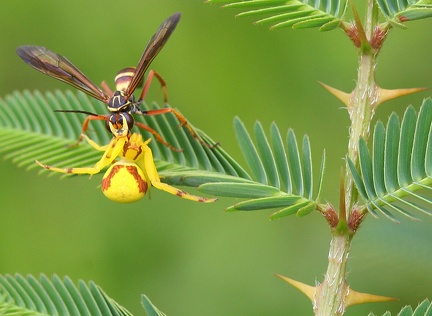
124 182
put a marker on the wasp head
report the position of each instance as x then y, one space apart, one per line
120 124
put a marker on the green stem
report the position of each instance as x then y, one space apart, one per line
361 107
330 298
361 112
331 295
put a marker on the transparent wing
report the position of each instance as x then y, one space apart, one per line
61 68
153 47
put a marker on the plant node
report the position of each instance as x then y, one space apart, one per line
356 218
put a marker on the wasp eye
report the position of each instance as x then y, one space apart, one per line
129 120
115 123
109 123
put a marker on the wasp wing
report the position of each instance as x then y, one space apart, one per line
153 47
61 68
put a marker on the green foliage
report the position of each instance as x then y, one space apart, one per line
32 130
283 174
400 164
280 178
397 12
150 309
423 309
36 297
325 14
29 296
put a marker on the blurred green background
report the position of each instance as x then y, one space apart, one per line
189 258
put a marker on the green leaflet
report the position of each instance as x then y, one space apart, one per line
266 203
392 179
240 190
280 157
31 296
406 142
420 147
150 309
295 164
398 12
301 208
249 152
324 14
424 308
266 155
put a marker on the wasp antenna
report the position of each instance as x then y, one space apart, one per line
77 111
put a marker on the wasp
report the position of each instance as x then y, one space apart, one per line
121 103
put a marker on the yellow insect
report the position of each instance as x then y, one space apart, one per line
129 178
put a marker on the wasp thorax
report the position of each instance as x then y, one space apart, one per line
118 102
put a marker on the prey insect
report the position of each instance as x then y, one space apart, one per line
130 177
127 81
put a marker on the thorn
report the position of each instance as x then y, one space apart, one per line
389 94
307 290
354 298
342 96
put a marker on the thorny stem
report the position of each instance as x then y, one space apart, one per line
364 97
361 111
331 296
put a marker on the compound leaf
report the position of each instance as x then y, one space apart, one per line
282 174
32 130
324 14
29 296
400 167
397 12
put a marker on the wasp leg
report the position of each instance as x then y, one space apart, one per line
148 82
182 120
106 88
157 135
85 127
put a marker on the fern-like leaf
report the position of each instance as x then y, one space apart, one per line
400 165
281 177
150 309
282 173
423 309
30 296
398 12
32 130
325 14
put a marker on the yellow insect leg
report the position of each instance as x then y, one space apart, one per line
112 150
147 164
96 145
